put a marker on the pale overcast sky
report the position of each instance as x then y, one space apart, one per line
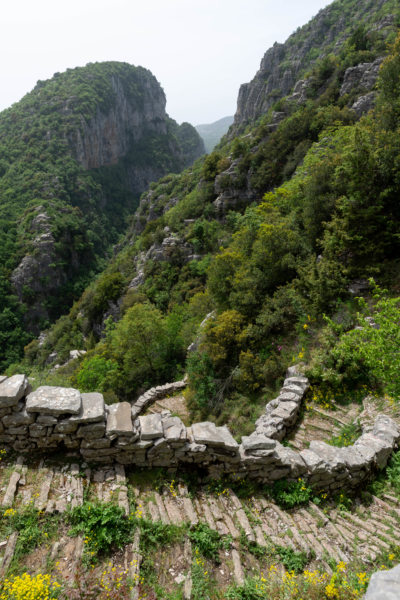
199 50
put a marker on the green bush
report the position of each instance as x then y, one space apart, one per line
207 541
104 526
290 493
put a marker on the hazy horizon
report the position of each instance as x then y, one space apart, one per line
200 52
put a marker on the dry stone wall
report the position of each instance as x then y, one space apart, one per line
51 418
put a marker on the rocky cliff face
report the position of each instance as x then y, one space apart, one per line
283 64
94 139
108 135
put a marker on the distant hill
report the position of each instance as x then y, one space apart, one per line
213 132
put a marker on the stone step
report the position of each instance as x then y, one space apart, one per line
11 490
189 510
173 511
320 534
132 560
330 416
306 531
42 498
205 510
188 585
386 506
391 499
8 553
153 512
327 428
161 508
238 573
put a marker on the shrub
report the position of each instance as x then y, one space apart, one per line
290 493
103 525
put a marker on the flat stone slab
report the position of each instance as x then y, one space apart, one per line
257 441
211 435
174 429
119 420
12 390
151 427
93 409
49 400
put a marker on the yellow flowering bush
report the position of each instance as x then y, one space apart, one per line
27 587
310 585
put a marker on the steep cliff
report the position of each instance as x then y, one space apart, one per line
75 155
284 64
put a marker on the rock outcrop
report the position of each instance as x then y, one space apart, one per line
109 134
384 585
104 116
283 65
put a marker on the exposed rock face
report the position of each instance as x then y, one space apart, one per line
127 127
234 190
283 64
109 135
362 77
39 266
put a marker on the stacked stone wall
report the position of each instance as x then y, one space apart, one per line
52 418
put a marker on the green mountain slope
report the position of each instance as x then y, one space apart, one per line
75 155
212 133
279 225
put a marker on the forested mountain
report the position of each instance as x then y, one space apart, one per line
213 132
285 221
75 155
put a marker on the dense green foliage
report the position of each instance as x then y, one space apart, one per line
45 188
326 215
104 527
367 355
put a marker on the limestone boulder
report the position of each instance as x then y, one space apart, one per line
119 420
12 389
54 401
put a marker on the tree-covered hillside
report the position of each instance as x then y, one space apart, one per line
276 227
75 154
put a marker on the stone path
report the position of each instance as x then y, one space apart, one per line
365 532
322 424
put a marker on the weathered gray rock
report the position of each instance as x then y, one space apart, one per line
331 455
207 433
119 420
93 409
362 77
314 463
55 401
151 427
373 449
386 429
16 419
286 457
91 431
66 426
384 585
46 420
257 441
364 104
36 430
174 430
12 389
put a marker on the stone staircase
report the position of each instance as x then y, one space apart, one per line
322 423
323 535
